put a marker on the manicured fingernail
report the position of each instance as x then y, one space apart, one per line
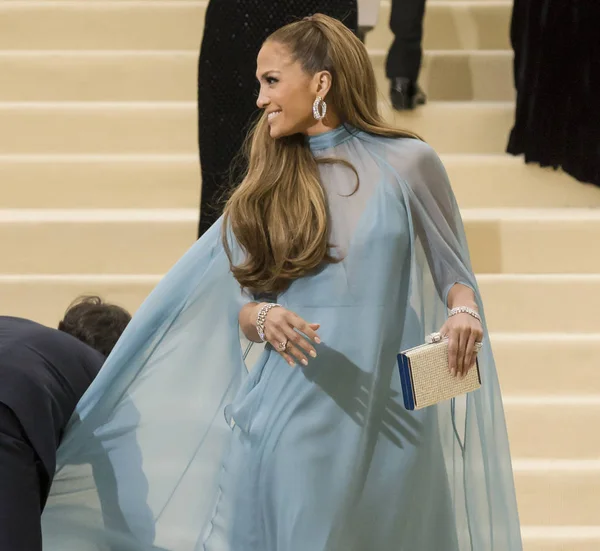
317 340
304 362
291 363
313 353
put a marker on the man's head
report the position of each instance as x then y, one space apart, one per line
95 323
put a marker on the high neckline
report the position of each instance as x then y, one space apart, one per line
331 138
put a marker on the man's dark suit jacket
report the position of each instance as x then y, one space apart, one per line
43 374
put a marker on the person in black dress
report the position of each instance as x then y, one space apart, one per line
557 79
234 31
43 374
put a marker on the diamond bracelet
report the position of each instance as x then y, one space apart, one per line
464 310
262 317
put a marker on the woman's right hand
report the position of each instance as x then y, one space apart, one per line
283 326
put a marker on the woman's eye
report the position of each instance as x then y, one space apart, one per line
271 80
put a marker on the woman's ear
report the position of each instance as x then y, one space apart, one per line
324 81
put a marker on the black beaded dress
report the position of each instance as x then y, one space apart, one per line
557 78
234 31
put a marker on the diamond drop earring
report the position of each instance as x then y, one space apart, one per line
319 108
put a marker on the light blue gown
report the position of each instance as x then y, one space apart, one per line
176 447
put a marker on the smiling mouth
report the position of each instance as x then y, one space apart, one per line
272 115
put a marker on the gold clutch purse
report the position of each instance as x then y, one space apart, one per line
425 377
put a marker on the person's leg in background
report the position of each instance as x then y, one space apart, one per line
404 57
20 500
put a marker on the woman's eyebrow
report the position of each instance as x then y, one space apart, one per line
267 72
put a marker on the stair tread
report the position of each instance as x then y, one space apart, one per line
581 214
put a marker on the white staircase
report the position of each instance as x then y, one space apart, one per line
100 185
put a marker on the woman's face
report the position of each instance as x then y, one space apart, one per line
287 93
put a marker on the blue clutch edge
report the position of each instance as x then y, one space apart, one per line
405 380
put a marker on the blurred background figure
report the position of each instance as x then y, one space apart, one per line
233 35
43 374
557 78
403 62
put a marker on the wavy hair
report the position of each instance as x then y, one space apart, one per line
279 213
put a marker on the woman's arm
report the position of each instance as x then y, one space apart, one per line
463 331
439 230
247 319
461 295
281 326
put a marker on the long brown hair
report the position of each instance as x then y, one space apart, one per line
279 213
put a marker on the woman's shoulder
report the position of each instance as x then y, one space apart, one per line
406 154
401 145
410 147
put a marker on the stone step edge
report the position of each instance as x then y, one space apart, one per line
76 278
83 216
204 3
563 338
99 105
569 214
559 533
554 466
26 158
78 158
554 400
487 278
183 105
194 54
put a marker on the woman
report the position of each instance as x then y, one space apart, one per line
557 77
233 34
352 224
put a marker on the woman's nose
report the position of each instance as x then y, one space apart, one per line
262 101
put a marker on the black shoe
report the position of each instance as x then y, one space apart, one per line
406 94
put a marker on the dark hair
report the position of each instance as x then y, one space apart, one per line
95 322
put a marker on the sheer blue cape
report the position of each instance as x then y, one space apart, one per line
145 461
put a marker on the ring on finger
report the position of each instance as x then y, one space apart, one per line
282 346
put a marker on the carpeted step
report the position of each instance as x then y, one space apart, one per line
171 127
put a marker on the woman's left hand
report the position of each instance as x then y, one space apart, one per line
463 331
